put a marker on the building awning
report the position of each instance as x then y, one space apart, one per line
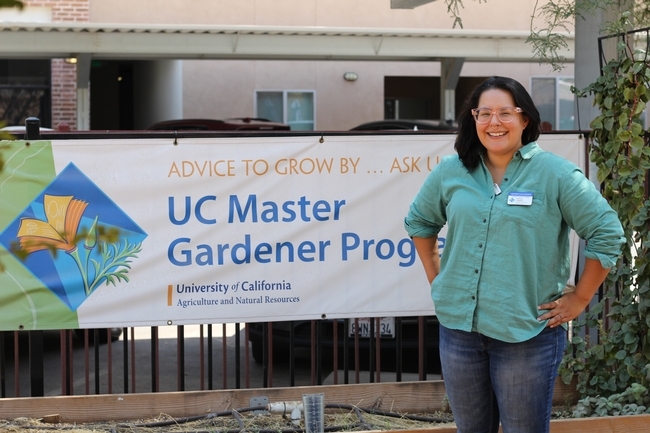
147 41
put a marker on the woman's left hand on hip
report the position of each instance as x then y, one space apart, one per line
561 311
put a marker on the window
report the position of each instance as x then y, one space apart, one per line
292 107
555 102
25 91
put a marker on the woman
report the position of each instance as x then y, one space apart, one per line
498 288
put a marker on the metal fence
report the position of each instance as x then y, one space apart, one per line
215 356
212 356
219 356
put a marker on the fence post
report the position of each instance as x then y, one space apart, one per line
32 128
33 132
36 365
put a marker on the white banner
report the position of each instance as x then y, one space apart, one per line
216 230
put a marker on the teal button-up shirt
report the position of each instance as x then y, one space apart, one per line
500 261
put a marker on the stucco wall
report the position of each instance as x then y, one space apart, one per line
222 89
491 14
226 88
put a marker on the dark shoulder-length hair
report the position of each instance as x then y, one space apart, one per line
467 143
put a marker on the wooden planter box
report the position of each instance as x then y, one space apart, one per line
407 397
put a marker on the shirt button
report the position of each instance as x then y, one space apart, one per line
484 220
505 179
473 298
480 245
476 271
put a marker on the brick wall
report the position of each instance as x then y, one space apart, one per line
65 10
64 93
64 75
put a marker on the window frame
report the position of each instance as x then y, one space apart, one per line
556 105
285 93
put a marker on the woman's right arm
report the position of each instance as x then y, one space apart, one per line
427 249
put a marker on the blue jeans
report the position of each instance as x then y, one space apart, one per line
488 381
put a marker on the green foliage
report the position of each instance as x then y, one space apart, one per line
454 7
5 135
11 4
613 373
547 43
635 400
613 370
558 18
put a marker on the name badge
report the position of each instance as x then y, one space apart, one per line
520 198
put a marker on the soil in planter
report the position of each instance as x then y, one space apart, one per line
348 419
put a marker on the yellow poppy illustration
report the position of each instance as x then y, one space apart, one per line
59 232
63 215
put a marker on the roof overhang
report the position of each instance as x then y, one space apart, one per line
408 4
133 41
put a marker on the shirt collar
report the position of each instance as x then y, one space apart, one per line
525 152
530 150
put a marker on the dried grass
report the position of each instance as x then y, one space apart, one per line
336 420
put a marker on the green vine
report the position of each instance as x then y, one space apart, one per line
560 16
613 370
557 19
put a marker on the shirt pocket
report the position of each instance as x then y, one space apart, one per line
526 215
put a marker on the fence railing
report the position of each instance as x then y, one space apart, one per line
217 356
214 356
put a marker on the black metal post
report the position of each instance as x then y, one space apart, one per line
36 369
2 365
32 128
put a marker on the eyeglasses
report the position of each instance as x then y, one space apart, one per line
505 114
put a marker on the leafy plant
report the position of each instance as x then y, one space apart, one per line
616 367
5 135
11 4
557 18
634 400
612 370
